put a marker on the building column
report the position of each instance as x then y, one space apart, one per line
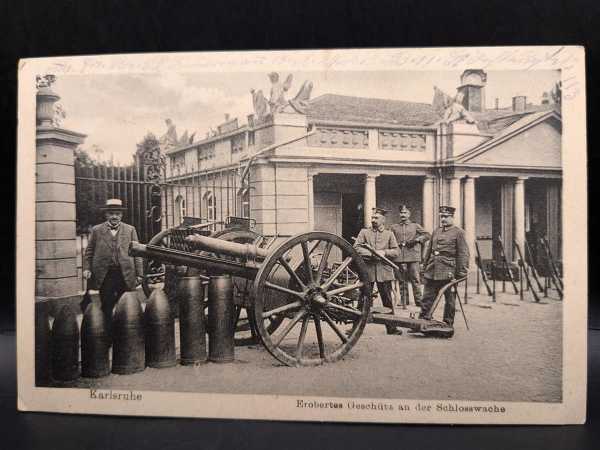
370 200
519 196
311 201
554 218
428 194
470 224
455 200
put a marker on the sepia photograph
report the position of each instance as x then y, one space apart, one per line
344 235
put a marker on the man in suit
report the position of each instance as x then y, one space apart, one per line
410 236
107 260
446 259
384 242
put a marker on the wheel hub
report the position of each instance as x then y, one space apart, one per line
317 299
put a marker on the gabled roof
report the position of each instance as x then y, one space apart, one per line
493 121
520 125
344 108
333 107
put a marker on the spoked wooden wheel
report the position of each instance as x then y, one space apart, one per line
305 283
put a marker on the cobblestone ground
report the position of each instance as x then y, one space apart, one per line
511 353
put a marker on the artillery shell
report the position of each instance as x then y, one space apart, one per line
192 328
160 331
95 343
65 346
42 345
221 315
128 336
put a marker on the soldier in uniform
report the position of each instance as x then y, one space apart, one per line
410 237
446 259
385 243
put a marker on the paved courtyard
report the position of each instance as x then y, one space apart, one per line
511 353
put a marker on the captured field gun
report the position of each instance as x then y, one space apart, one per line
161 274
308 300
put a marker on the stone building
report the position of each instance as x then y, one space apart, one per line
325 169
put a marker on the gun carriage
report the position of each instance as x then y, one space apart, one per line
161 274
307 298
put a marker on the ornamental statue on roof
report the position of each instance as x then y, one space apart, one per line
277 102
169 139
456 111
451 109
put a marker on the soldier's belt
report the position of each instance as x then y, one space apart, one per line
438 253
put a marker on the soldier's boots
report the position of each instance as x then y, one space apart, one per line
394 331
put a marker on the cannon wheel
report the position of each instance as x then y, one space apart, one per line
310 289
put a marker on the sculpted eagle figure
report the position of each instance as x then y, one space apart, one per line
277 102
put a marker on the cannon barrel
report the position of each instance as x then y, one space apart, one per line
210 264
219 246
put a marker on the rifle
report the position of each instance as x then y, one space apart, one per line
479 263
532 266
553 270
523 264
505 264
552 262
454 288
384 260
378 256
451 284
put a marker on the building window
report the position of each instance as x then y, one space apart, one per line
245 201
178 165
210 207
204 154
237 144
180 211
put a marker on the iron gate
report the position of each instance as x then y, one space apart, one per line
154 202
97 182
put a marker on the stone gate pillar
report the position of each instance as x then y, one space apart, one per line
55 257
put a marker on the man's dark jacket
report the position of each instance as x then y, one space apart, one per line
448 255
99 254
413 236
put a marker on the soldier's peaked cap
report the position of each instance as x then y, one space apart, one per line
381 211
447 210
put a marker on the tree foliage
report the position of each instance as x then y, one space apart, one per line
86 208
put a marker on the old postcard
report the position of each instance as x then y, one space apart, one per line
392 235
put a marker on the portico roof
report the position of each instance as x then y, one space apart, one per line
537 148
518 127
333 107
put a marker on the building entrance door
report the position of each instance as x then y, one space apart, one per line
352 215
